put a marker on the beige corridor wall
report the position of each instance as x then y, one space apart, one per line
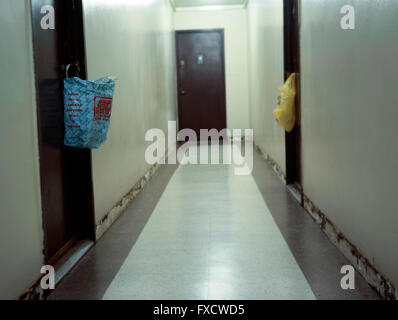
349 122
234 23
21 235
265 28
134 41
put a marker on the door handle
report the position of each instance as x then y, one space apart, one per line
183 92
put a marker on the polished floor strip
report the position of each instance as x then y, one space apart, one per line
211 236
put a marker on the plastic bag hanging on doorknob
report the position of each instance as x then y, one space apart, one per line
87 111
285 112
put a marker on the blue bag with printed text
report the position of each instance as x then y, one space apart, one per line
87 111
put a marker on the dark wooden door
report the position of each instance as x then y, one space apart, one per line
292 64
65 173
201 80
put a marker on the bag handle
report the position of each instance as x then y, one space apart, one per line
67 70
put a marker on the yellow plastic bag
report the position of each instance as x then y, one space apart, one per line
285 112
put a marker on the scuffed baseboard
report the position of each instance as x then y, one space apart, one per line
376 279
34 292
275 166
379 282
107 221
118 209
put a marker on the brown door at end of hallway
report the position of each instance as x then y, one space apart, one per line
65 173
201 80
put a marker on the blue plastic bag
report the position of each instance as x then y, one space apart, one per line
87 111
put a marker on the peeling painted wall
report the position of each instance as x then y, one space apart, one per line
349 122
133 40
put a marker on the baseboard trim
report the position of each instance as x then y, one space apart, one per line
376 279
118 209
275 166
33 292
108 220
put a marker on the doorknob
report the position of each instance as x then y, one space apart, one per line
183 92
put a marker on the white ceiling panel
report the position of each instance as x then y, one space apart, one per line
199 3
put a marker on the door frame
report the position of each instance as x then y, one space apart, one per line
180 78
75 163
291 18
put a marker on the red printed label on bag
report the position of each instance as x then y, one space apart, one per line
102 108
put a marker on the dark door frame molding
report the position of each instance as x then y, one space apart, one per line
291 14
75 165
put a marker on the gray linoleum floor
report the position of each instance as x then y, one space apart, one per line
202 232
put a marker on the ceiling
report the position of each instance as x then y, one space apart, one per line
200 3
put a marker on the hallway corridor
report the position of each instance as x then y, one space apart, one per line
101 103
212 236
